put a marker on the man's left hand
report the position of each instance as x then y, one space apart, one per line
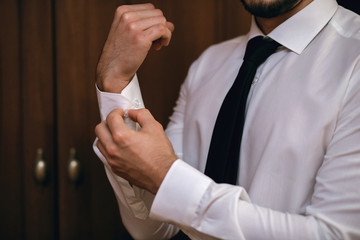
141 157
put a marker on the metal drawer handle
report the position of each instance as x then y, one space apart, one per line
40 171
74 168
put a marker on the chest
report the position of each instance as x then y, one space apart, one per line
293 102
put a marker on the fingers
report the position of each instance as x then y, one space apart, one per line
146 23
119 130
120 11
105 142
128 15
124 9
143 14
112 130
170 26
102 149
145 19
144 118
165 37
133 8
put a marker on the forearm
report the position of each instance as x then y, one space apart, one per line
190 199
134 203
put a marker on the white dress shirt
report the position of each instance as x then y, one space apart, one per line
299 171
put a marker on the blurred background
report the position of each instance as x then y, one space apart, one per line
52 184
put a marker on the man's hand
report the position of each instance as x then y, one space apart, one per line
135 29
144 157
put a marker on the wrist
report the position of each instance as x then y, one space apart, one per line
114 85
160 176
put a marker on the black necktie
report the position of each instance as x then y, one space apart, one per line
223 157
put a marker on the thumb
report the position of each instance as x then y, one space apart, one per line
170 26
142 116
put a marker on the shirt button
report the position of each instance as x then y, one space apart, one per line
255 80
136 103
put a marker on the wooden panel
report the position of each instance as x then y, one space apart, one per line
11 174
38 111
88 209
236 19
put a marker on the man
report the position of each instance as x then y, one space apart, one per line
299 170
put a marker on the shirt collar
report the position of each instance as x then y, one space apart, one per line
299 30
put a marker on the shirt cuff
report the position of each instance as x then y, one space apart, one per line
180 194
130 98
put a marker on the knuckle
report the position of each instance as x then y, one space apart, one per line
162 19
126 17
97 129
161 28
111 150
120 10
159 12
110 117
119 137
139 38
113 115
131 26
150 5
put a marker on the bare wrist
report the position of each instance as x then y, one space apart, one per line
112 86
161 176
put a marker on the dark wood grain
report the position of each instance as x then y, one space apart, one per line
11 171
38 115
88 209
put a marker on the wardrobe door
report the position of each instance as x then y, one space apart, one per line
11 170
37 89
27 124
87 204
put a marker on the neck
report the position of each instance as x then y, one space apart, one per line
268 24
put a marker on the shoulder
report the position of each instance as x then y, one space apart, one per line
341 38
346 23
223 49
214 58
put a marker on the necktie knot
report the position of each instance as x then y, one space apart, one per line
259 49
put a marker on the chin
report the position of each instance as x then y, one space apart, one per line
269 8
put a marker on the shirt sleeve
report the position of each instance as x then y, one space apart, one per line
134 203
190 199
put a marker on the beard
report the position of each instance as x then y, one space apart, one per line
269 8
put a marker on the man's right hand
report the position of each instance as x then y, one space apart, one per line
134 31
